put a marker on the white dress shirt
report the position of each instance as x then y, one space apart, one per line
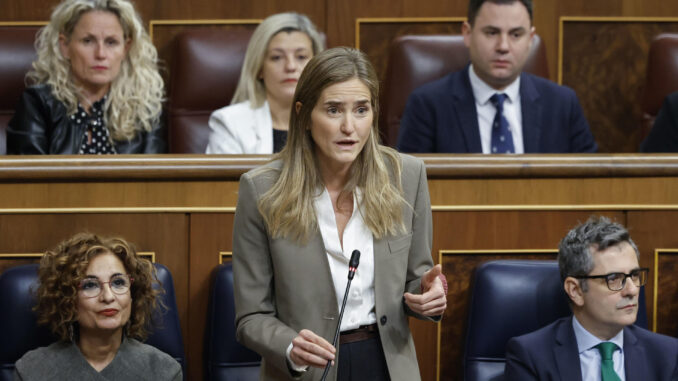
482 92
360 304
589 356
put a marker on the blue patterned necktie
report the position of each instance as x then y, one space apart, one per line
607 372
502 140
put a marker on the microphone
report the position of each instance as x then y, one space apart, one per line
352 267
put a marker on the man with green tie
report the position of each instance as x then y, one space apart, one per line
602 277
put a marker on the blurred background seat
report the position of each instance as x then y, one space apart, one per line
225 358
17 52
661 79
205 73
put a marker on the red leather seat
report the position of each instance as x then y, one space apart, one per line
17 52
416 60
662 77
204 76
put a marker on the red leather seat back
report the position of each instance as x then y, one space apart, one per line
17 52
662 77
205 73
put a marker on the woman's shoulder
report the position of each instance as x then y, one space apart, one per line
42 94
41 361
264 176
150 358
409 164
236 111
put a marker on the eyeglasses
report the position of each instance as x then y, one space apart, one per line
119 284
617 281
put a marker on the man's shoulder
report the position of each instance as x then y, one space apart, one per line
546 87
544 334
441 86
657 340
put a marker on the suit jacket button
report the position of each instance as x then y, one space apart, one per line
383 320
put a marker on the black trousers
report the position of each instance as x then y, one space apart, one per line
362 361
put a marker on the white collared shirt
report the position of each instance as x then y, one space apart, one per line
589 356
360 303
482 92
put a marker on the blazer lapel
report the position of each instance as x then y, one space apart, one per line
464 104
531 110
566 352
634 357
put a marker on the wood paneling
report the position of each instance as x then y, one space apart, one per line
210 234
652 233
608 74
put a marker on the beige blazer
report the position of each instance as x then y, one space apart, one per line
282 287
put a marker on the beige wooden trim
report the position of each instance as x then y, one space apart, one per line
153 23
391 20
225 209
145 254
20 255
439 328
23 23
564 19
223 254
655 302
554 207
434 208
444 252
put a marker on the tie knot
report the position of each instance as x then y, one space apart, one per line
498 100
606 349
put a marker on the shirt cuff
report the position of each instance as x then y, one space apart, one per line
291 363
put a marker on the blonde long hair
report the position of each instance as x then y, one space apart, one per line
250 87
135 99
287 208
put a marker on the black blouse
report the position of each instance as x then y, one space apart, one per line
96 140
279 140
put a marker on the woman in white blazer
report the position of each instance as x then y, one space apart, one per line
257 120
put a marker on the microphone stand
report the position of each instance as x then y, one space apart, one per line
352 267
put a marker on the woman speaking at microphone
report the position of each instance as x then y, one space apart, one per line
332 190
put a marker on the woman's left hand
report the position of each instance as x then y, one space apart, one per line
433 299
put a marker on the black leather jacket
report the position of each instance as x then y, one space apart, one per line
41 125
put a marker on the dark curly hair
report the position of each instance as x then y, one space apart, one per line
63 268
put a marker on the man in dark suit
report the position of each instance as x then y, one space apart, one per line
598 263
491 106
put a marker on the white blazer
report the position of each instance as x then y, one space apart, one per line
240 129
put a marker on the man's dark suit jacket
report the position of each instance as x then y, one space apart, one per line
441 117
551 353
664 134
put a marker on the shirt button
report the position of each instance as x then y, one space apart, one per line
383 320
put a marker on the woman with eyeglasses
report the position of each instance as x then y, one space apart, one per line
96 296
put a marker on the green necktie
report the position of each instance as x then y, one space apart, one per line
606 364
